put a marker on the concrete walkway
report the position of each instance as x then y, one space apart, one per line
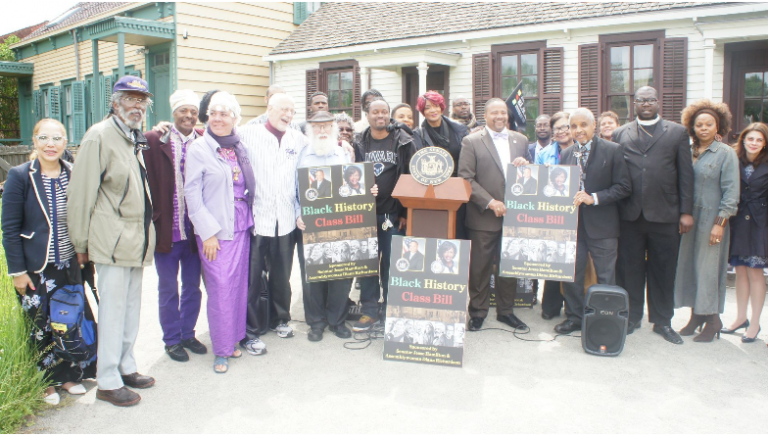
506 386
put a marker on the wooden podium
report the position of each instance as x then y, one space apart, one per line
432 209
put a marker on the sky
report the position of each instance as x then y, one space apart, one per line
18 14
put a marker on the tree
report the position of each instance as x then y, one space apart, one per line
9 94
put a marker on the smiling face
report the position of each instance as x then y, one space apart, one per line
432 112
562 132
280 112
404 115
449 255
560 180
461 108
496 116
705 127
354 178
413 246
346 131
319 103
185 118
378 115
646 103
607 126
582 128
221 120
754 142
131 108
543 131
50 141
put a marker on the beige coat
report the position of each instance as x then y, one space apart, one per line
108 202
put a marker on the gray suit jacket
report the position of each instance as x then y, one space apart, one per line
482 167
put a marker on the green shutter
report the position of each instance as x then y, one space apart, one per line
299 12
54 102
94 90
36 96
107 88
78 111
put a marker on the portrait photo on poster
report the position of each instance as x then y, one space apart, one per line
447 259
422 332
527 182
354 180
320 180
412 258
559 177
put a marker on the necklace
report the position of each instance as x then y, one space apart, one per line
229 154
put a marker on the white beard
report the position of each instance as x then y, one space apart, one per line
124 116
323 147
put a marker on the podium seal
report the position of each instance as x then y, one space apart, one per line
311 194
517 189
402 264
431 166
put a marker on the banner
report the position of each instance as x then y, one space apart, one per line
340 214
516 108
427 300
539 234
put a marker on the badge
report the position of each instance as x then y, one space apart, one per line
378 168
436 267
517 189
549 191
402 264
311 194
344 191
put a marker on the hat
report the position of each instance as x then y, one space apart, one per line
321 117
184 97
228 101
132 83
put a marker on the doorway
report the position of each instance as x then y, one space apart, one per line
437 80
745 87
159 78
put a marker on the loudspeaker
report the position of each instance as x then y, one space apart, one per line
606 315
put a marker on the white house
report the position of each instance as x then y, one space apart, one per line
567 54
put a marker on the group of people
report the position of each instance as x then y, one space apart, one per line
221 203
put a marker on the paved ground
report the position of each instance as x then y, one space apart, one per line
506 385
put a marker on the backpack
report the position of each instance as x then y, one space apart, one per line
74 336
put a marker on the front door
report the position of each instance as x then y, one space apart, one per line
748 99
437 80
159 79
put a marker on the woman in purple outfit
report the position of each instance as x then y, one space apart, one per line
219 194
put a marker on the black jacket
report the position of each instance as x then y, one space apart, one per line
25 221
422 139
749 228
661 173
606 176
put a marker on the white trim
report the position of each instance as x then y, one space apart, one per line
559 26
27 236
45 212
403 58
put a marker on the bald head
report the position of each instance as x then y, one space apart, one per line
646 103
272 90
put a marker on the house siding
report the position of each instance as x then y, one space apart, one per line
225 46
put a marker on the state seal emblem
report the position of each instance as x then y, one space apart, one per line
431 166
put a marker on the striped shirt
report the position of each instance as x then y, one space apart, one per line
56 192
274 167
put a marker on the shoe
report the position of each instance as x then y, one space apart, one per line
122 397
195 346
77 389
138 381
695 322
512 321
669 334
364 324
53 399
341 331
220 361
567 327
350 302
315 335
727 331
632 326
747 340
283 330
712 327
475 324
177 352
547 316
255 347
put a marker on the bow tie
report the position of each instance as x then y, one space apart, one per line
502 135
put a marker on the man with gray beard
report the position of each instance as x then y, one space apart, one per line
110 223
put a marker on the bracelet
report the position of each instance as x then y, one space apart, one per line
721 221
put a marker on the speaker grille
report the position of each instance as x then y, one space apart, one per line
605 301
604 335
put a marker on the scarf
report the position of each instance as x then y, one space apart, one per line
470 123
441 136
232 141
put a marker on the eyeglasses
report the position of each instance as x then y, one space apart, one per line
346 129
56 140
461 104
642 101
561 129
134 101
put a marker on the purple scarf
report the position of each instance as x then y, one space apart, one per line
233 141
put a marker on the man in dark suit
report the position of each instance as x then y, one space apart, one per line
323 186
528 182
415 258
483 163
658 156
604 181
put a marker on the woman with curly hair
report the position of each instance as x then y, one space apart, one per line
703 256
749 230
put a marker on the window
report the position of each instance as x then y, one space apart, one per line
340 91
755 97
302 10
522 67
631 67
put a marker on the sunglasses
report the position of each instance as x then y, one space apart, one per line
346 129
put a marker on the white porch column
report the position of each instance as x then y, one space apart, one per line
709 66
364 80
423 67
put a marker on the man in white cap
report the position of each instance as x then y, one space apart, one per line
176 247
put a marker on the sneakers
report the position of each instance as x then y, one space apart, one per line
364 324
255 347
283 330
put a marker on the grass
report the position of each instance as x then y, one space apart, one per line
21 384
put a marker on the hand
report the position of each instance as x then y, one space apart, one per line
300 224
82 258
21 282
686 223
210 247
348 149
498 208
402 222
375 190
519 161
716 235
162 127
583 197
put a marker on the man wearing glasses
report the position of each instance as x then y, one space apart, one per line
110 223
658 155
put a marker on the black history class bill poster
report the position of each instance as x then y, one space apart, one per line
427 301
539 238
340 214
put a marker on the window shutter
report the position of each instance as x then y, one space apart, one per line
589 77
78 112
54 102
299 12
36 96
482 80
107 96
313 85
552 85
674 65
357 111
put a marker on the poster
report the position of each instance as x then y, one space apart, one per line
340 214
539 233
427 301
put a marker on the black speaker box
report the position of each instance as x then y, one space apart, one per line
604 326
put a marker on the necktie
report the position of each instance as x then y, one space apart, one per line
139 141
583 156
502 135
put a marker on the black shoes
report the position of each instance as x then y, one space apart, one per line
747 340
632 326
341 331
547 316
138 381
177 353
728 331
668 334
475 324
567 326
195 346
512 321
315 335
122 397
